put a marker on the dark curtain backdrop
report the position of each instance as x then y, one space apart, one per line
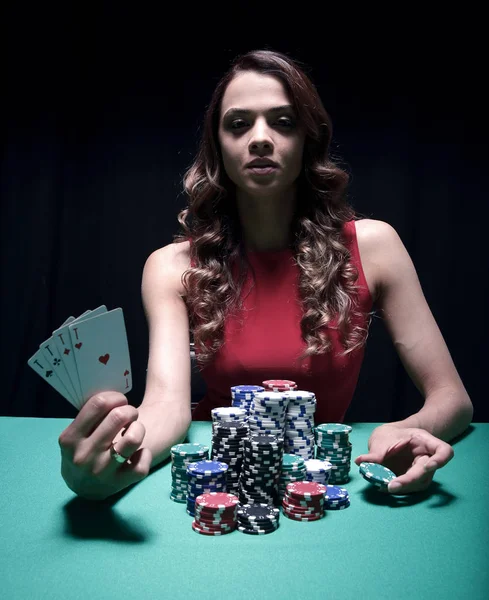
103 117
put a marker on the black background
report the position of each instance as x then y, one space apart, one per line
103 114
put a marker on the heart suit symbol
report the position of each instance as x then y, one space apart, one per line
104 359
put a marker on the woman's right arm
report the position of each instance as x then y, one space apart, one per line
165 409
164 415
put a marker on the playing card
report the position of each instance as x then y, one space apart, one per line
42 367
63 343
101 353
51 354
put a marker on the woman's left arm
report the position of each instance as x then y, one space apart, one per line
447 409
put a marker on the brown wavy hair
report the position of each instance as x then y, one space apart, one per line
327 277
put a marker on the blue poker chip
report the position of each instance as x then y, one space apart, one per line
338 506
247 388
207 467
334 492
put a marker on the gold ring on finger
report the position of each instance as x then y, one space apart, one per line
116 456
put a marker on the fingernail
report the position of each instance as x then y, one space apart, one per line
431 465
394 486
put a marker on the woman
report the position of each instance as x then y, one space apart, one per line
278 265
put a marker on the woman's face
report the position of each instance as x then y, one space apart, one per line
259 131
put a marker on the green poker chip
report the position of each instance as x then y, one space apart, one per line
376 474
334 428
189 449
292 462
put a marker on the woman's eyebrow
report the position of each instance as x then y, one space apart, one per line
244 111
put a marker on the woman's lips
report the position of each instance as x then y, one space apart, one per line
266 170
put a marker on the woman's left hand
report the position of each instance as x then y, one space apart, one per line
412 454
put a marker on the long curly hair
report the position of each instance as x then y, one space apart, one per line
326 275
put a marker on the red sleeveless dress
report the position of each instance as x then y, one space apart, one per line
264 342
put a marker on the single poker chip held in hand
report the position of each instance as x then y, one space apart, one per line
376 474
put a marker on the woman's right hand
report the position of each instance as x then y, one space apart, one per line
87 466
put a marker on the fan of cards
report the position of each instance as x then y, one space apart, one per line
86 355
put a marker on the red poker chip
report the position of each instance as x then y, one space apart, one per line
298 513
217 500
210 515
206 532
216 515
213 527
311 503
207 522
303 508
300 509
280 382
216 511
298 518
305 490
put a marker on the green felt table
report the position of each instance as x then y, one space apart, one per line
141 544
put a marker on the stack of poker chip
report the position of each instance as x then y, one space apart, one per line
181 456
304 501
318 470
242 396
260 471
258 519
267 414
224 414
299 423
333 445
215 513
227 447
336 498
376 474
293 469
204 476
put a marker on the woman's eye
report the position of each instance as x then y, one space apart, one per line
234 123
282 122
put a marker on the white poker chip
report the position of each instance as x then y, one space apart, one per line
299 395
228 411
315 465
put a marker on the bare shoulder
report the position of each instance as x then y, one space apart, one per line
182 254
170 262
375 241
384 251
372 231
